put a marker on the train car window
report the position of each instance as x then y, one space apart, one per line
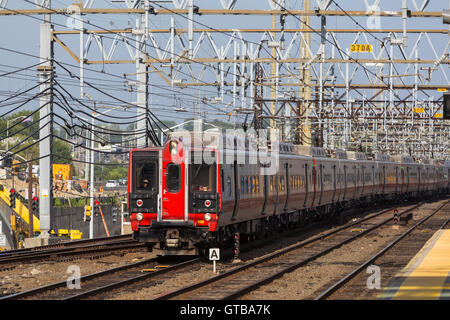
173 177
146 175
203 177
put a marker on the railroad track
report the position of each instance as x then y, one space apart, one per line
66 244
99 285
248 277
101 282
98 248
412 239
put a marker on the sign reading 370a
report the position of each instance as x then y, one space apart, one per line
361 48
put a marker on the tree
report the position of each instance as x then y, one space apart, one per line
104 172
61 152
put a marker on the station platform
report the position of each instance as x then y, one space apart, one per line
427 275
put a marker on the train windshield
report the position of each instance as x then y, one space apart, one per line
146 178
203 177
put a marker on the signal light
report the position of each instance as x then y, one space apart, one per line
35 205
87 213
96 208
12 198
173 147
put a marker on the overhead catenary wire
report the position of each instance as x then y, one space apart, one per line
133 40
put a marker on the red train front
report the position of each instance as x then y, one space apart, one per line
173 197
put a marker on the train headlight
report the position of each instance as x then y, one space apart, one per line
207 217
139 203
207 203
139 216
173 147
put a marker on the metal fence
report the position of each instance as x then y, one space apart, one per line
72 219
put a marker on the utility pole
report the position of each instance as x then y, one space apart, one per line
91 187
142 77
30 196
305 89
91 180
45 71
273 87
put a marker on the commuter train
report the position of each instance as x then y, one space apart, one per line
181 206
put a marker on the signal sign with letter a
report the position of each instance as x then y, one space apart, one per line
214 254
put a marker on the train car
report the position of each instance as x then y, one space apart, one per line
188 195
173 204
446 167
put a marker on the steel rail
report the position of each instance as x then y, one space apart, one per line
70 251
91 276
65 244
129 281
356 271
251 287
40 290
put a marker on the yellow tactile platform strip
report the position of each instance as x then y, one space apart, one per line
427 275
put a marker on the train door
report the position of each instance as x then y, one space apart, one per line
419 177
314 182
334 183
396 179
407 178
363 178
266 193
339 184
374 182
145 182
173 202
356 181
306 185
448 178
345 181
277 191
402 179
288 187
320 182
237 191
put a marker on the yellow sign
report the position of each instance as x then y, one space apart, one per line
418 110
361 48
438 115
442 89
62 172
